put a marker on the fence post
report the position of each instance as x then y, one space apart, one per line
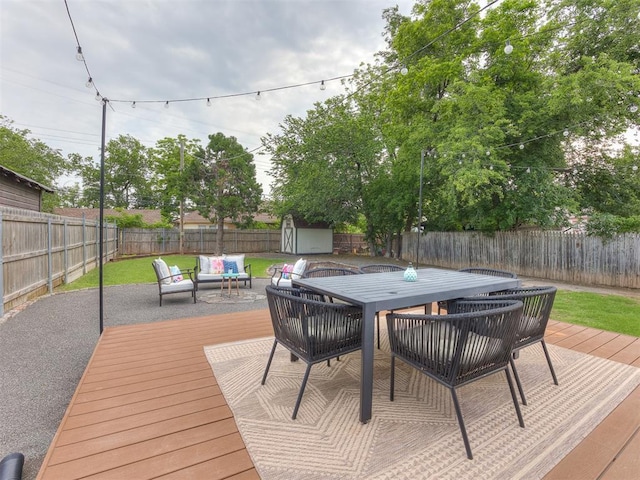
49 255
65 255
1 271
84 244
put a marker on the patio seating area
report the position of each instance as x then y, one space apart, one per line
148 405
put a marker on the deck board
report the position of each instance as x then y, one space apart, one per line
148 406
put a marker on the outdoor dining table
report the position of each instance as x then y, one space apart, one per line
377 292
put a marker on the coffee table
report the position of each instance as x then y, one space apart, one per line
228 278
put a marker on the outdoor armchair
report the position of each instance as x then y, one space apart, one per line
494 272
283 276
457 349
173 282
538 302
313 331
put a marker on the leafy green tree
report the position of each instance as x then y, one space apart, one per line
31 158
222 183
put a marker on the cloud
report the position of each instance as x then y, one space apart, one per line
174 50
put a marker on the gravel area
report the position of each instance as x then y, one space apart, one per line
46 345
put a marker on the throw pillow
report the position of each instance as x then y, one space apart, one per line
239 259
216 265
230 266
176 274
163 270
298 269
286 270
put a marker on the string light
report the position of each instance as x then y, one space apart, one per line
322 85
79 55
208 102
98 96
258 95
89 83
508 49
133 104
166 104
404 70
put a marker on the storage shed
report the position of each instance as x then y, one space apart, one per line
300 237
18 191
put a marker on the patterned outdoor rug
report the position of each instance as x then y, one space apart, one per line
241 296
417 435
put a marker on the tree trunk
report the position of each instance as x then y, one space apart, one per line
220 236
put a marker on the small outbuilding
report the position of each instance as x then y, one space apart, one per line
300 237
18 191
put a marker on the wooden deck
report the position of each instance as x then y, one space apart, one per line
149 406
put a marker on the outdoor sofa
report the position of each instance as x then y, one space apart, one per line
209 269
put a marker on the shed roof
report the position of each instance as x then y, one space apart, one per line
22 179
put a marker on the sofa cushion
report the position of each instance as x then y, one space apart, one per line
205 264
298 269
163 269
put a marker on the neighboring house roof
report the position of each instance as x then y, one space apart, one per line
194 218
22 179
148 216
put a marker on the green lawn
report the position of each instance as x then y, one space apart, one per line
606 312
139 270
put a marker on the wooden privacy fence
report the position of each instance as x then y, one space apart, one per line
566 257
41 251
140 241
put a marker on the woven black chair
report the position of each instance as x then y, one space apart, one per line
382 268
313 331
329 272
494 272
538 302
457 349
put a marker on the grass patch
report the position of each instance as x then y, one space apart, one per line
139 270
614 313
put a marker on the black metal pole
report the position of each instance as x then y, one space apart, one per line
101 228
420 209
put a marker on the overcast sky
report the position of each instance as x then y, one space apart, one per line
140 50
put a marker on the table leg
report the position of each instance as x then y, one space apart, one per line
222 287
366 374
237 288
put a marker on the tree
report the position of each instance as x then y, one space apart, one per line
222 183
31 158
127 176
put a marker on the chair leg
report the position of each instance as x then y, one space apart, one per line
463 430
273 350
393 377
304 384
546 354
517 377
378 327
514 397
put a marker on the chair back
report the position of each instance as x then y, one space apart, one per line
381 268
311 329
329 272
455 349
489 271
538 302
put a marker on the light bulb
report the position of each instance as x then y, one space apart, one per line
258 96
522 146
634 168
89 82
322 85
98 96
166 104
208 102
404 70
79 55
528 169
633 108
565 133
508 48
133 104
488 152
